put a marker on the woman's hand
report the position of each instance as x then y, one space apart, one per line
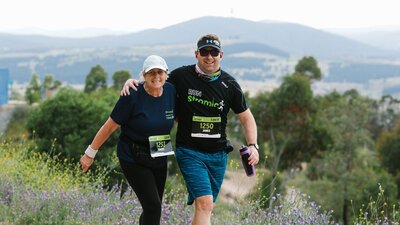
86 162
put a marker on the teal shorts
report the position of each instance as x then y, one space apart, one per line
203 172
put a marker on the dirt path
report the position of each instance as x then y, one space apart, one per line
236 185
6 112
5 116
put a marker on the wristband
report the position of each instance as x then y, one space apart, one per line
90 152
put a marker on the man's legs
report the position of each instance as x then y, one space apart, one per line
203 209
203 174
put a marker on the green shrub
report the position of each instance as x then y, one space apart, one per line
67 123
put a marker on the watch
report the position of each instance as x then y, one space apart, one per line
255 146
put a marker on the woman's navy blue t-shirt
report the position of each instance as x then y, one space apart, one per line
141 115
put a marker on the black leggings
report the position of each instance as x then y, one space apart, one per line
148 184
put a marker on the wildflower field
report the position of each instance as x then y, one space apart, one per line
36 188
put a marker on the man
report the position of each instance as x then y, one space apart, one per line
205 94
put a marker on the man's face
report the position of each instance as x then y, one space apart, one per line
208 59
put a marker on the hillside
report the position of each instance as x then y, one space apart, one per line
43 189
385 37
254 51
292 38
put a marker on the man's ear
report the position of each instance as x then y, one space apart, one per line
196 54
221 54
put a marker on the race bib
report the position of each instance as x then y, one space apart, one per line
160 145
206 127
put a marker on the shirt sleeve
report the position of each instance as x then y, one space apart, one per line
172 77
123 108
239 103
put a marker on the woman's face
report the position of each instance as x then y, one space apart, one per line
155 78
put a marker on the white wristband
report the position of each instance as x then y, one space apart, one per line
90 152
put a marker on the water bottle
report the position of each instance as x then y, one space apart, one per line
245 154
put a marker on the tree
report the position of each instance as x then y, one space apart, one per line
119 78
349 117
333 183
32 93
308 66
388 145
388 113
49 85
96 79
284 121
286 124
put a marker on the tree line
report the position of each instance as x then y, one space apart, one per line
96 79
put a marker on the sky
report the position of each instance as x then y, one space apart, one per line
137 15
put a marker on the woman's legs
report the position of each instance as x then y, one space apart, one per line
148 184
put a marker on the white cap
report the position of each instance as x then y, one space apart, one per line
154 61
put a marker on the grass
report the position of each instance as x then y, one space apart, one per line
40 189
378 212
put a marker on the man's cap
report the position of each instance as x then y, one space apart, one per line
154 61
208 43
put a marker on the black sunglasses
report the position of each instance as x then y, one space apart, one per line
204 52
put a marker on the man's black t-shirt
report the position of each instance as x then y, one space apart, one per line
203 107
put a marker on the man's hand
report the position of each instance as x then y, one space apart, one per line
254 156
130 83
86 162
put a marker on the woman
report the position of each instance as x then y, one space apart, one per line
146 118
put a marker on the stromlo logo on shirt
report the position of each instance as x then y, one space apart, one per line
195 96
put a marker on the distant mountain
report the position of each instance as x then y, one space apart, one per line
293 39
73 65
254 47
382 38
69 33
257 51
